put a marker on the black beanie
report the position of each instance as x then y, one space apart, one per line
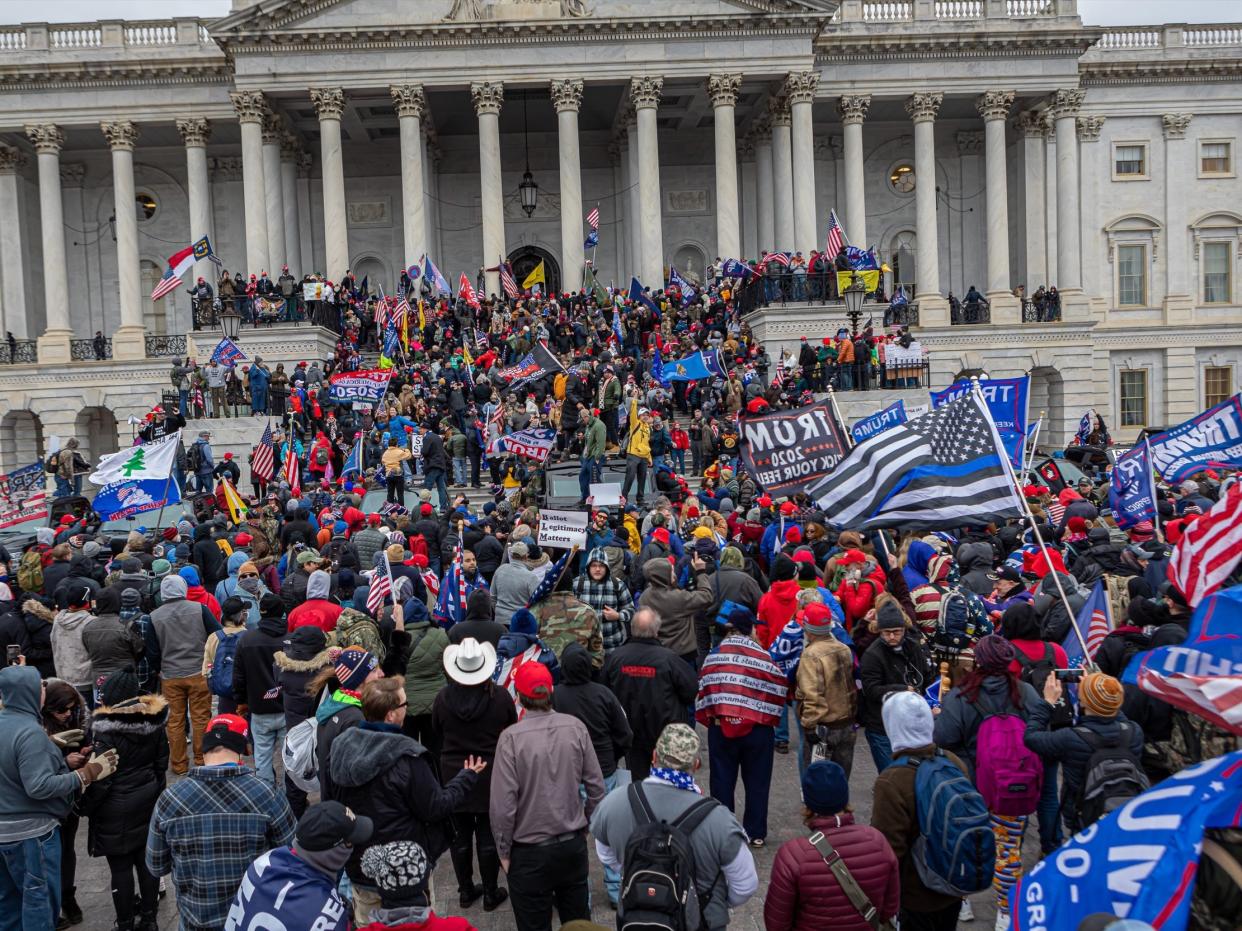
118 687
783 569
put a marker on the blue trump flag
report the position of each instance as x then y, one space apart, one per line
434 278
696 366
1131 495
121 500
637 296
1007 400
1139 861
732 268
657 366
592 240
227 352
354 461
1084 428
1213 438
878 422
616 328
392 342
688 291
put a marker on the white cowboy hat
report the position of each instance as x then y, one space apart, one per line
470 662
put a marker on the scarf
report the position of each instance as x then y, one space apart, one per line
676 778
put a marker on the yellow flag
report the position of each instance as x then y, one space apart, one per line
535 277
233 501
384 362
422 318
465 355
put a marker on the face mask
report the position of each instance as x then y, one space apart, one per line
249 585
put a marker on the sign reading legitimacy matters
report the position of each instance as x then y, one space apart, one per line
367 386
563 529
788 451
1212 438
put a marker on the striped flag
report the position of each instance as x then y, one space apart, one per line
507 281
1094 621
593 218
293 470
461 575
178 264
232 501
381 587
780 258
1209 549
836 235
263 464
941 470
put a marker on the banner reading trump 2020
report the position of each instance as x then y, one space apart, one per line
1212 438
367 387
788 451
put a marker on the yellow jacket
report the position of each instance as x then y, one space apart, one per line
640 434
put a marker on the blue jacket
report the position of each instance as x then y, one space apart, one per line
34 780
283 890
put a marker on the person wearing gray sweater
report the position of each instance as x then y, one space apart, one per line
182 628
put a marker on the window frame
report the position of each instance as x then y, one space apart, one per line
1210 400
1229 246
1229 172
1145 174
1145 265
1146 397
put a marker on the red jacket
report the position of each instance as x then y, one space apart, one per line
202 596
776 609
805 896
315 612
857 600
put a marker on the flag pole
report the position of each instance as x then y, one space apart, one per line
1028 453
832 399
1151 479
167 484
1026 512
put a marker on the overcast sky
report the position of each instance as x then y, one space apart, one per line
1094 12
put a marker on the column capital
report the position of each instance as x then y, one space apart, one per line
305 160
273 128
761 130
290 147
195 131
854 108
800 86
1089 128
226 168
121 134
250 106
1176 124
1064 104
329 102
72 174
1032 124
923 107
409 100
994 105
829 146
723 88
645 92
47 137
969 141
778 111
11 160
566 95
487 96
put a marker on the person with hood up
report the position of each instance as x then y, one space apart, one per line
779 603
382 774
895 662
182 629
208 557
73 662
468 716
1102 553
598 708
318 609
609 597
974 560
110 643
1054 619
399 873
197 593
255 684
119 808
303 656
244 582
38 617
918 559
677 607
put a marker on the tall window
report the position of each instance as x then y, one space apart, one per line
902 261
1217 384
1130 160
1132 275
1215 158
1133 391
1217 277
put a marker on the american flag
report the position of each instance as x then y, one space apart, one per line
548 583
1094 623
1209 549
461 574
780 258
263 465
507 281
381 587
293 471
593 218
836 235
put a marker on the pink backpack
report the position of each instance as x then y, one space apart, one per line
1009 775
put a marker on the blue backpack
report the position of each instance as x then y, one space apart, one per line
220 678
956 850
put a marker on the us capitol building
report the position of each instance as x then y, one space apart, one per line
994 143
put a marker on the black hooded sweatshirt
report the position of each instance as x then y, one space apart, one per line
468 720
254 673
595 706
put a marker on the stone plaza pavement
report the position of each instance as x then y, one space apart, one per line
784 821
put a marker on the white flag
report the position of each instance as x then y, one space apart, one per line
146 461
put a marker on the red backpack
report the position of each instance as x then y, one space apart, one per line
1009 776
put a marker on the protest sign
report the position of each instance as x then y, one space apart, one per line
22 495
312 291
896 356
788 451
1212 438
562 529
878 422
605 494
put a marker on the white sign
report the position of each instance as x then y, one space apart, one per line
916 410
563 529
312 291
895 355
605 494
416 444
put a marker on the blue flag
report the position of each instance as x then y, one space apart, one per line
437 281
637 296
1130 488
1084 428
353 462
1007 402
1214 438
121 500
392 342
688 291
877 423
1139 861
592 240
227 352
732 268
696 366
202 250
616 328
657 367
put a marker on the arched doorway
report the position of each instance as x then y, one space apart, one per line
95 428
21 440
525 258
1048 396
376 274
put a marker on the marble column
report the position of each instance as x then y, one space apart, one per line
633 217
1032 127
53 344
620 243
722 89
1093 164
251 109
750 200
854 109
1050 199
994 108
289 150
12 273
195 132
488 97
567 98
127 341
306 222
330 104
1065 105
922 107
800 92
645 95
1179 154
273 126
782 176
766 209
411 105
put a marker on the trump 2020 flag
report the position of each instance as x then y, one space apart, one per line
636 295
122 500
688 291
892 416
1212 438
732 268
227 353
1131 495
354 461
145 461
1140 861
432 274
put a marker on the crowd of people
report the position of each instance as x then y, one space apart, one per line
296 711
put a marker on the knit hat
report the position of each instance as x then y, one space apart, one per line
993 654
518 550
1100 695
130 598
353 666
118 687
533 680
271 605
229 731
248 568
783 569
817 620
731 556
907 721
523 622
161 568
825 790
889 616
399 870
677 747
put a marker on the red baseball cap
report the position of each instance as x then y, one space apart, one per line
229 731
533 680
789 508
765 501
243 539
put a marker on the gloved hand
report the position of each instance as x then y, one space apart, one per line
69 740
99 766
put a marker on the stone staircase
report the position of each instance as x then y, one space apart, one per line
234 435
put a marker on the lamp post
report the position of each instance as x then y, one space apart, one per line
230 323
528 190
854 296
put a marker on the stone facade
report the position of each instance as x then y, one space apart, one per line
994 143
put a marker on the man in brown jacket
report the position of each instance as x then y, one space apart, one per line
908 723
827 694
677 607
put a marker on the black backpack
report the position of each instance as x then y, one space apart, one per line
658 892
955 631
1036 673
194 456
1112 777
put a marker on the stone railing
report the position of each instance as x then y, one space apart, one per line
1171 36
950 11
104 34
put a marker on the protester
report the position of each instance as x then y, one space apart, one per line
182 628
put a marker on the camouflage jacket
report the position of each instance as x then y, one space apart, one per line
563 620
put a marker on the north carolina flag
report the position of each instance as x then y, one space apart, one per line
178 264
